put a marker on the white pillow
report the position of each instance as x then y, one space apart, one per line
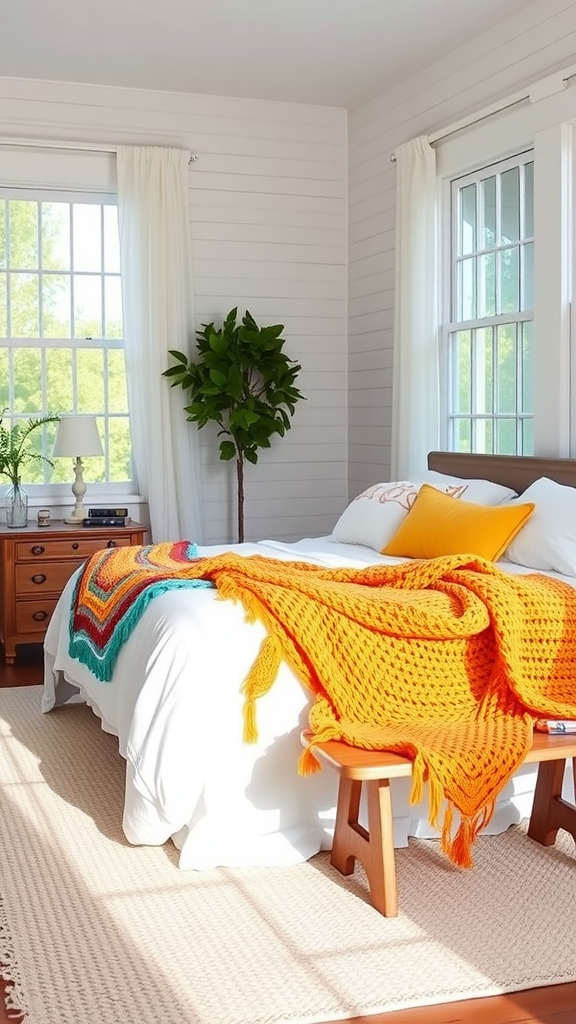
481 492
374 516
547 541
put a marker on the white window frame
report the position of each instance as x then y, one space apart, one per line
50 491
545 124
451 324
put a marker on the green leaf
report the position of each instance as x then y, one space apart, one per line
227 450
219 378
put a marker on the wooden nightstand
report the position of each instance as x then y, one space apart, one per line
35 564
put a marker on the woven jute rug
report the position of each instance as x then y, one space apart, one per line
94 931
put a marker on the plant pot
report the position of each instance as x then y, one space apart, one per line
16 504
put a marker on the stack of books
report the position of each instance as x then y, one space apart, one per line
100 517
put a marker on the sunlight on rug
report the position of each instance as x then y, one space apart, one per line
95 931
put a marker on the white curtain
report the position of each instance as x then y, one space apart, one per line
415 400
158 315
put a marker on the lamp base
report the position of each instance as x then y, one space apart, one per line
76 516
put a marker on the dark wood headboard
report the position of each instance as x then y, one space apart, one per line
516 471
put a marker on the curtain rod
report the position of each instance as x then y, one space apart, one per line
77 147
537 91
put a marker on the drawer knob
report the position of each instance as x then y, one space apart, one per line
75 546
111 544
39 578
40 616
38 549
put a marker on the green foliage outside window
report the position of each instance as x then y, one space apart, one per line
36 306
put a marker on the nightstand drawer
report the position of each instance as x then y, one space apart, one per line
34 616
32 551
47 577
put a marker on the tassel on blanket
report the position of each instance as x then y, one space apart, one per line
258 681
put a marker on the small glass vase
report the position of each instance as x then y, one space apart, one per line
16 504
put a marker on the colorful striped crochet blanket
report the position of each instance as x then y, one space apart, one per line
447 661
113 591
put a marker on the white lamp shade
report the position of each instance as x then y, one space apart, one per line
77 436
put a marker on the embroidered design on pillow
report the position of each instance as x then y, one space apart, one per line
372 518
403 494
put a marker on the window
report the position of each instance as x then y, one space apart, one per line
61 332
489 339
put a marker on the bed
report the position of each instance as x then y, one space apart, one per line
192 779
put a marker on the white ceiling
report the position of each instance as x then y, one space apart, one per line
330 52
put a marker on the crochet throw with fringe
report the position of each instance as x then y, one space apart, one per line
447 662
113 591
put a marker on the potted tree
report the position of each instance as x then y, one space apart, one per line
243 381
16 451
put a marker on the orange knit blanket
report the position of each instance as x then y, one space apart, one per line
447 661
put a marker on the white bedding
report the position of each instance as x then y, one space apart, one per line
174 703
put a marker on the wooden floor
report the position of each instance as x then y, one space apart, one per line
553 1005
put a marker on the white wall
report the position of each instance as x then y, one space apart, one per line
268 199
516 52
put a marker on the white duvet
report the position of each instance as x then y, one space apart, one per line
174 703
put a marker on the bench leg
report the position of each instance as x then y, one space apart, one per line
374 847
549 811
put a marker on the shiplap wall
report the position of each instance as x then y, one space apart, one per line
268 202
514 53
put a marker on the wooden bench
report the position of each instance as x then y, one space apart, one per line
374 846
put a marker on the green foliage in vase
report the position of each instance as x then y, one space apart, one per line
241 380
16 448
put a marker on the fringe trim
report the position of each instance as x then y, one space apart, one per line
258 682
16 1003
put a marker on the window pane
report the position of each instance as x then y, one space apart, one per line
95 468
2 233
506 443
527 437
23 221
56 316
509 280
27 376
527 389
55 236
87 237
4 379
3 307
59 390
467 272
528 276
529 200
506 389
119 446
468 219
111 240
24 306
488 201
88 307
462 372
462 436
487 285
510 205
90 380
483 370
113 327
483 436
117 394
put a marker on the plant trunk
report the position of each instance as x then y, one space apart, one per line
240 481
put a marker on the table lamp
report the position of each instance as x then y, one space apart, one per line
77 436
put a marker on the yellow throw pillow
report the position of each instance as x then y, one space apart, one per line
438 524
